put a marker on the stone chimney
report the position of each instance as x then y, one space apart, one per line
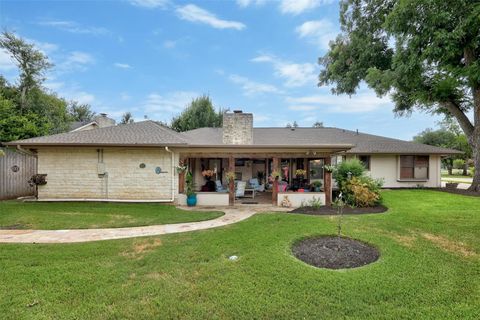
104 121
237 127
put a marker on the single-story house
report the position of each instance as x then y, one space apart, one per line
140 162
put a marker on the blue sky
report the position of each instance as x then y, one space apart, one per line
151 57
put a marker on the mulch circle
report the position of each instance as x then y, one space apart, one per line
329 210
335 252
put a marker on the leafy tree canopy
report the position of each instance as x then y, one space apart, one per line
199 114
424 54
80 112
127 117
27 109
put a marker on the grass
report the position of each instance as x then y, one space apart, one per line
429 269
461 176
81 215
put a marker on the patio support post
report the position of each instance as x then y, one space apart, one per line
181 179
327 181
275 182
231 183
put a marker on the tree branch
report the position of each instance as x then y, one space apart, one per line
461 117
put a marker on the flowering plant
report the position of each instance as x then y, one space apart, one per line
275 174
329 168
300 172
230 176
208 173
182 166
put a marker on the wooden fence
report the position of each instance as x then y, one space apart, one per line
16 168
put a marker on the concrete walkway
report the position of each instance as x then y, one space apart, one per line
232 215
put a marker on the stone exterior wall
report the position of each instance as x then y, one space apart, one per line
237 128
72 174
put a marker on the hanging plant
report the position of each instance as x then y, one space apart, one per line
276 174
230 176
182 167
329 168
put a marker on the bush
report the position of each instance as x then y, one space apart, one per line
458 163
353 167
315 203
362 191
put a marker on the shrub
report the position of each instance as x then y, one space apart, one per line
362 191
352 167
458 163
315 203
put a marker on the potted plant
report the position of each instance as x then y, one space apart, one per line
300 173
190 190
208 174
317 185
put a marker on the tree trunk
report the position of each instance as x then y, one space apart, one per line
465 168
475 143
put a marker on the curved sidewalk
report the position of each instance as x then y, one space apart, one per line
232 215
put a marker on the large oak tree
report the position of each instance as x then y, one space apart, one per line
424 54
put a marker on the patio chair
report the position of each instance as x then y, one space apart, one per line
254 184
282 186
240 189
220 187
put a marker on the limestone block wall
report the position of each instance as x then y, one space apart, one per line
72 173
237 128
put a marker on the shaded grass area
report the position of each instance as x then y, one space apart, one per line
81 215
429 268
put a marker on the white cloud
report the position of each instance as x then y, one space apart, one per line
125 96
193 13
74 27
298 6
318 32
365 101
251 88
150 4
295 74
45 47
76 60
170 44
163 107
54 85
302 107
6 61
122 65
82 97
246 3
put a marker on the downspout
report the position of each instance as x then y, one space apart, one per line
172 187
19 148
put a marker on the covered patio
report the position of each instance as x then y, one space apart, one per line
301 177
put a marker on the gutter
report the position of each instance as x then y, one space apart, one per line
19 148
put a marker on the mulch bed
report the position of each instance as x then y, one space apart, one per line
329 210
335 252
459 191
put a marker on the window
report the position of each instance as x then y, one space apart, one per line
316 169
414 167
365 160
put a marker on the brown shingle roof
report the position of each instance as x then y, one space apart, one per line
145 133
362 142
150 133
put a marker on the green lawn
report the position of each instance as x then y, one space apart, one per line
429 269
80 215
446 175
